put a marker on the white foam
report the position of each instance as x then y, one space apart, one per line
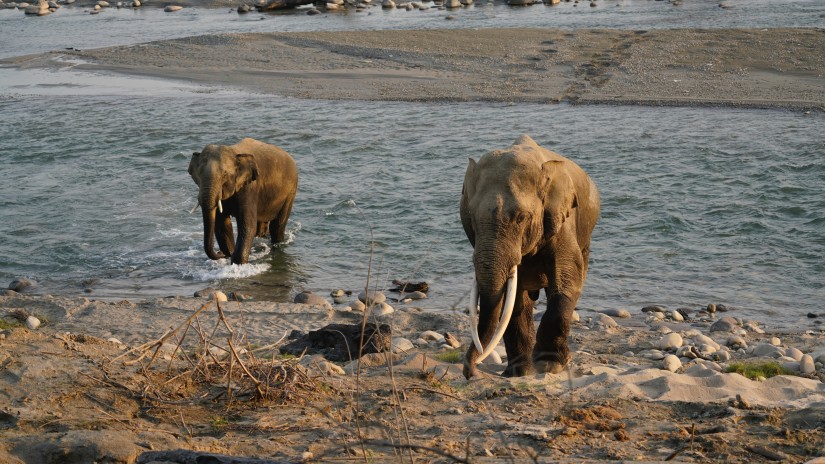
224 269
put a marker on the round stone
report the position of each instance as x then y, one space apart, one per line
671 363
793 353
806 364
724 324
32 322
670 342
616 312
374 297
605 321
382 309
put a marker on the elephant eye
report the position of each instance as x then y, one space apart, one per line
521 217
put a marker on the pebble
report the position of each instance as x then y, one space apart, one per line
705 340
671 363
793 353
32 322
309 298
401 345
792 366
724 324
605 321
172 8
20 285
382 309
670 342
676 316
616 312
218 296
775 341
655 355
806 364
417 295
338 293
766 350
205 292
711 308
357 305
451 340
735 342
721 356
218 352
653 309
432 336
374 297
753 327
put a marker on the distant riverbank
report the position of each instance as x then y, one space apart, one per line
774 68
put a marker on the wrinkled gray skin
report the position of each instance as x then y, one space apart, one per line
256 183
530 207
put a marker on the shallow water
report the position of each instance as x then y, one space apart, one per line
698 205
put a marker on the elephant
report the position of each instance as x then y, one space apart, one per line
528 212
253 181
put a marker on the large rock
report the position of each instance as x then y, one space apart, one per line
724 324
340 342
22 284
78 447
39 9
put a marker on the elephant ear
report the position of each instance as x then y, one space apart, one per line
560 196
246 170
467 192
193 162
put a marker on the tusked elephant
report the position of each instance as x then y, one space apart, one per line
528 213
254 182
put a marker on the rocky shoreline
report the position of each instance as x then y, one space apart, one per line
91 375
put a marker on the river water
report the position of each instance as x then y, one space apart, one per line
699 205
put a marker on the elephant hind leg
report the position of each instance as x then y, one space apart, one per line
551 353
262 229
277 228
519 337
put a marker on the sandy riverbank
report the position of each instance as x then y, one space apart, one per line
773 68
84 387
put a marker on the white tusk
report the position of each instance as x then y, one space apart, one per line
507 312
473 315
220 206
194 207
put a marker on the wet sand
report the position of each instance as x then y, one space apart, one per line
772 68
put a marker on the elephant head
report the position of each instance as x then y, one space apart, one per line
220 173
518 210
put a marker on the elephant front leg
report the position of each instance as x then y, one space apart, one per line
551 353
224 234
520 338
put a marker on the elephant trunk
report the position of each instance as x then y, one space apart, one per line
210 201
494 289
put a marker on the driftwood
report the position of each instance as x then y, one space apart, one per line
273 5
195 457
340 342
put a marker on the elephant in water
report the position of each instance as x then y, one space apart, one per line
252 181
528 213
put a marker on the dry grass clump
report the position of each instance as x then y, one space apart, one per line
206 359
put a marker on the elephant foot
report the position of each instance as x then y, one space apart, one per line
551 363
519 370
